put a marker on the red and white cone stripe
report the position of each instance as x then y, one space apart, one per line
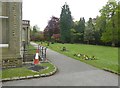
36 60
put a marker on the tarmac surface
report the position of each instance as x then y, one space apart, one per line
71 72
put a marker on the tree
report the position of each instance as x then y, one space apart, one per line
118 21
52 28
74 35
100 26
66 24
109 12
35 28
36 34
81 28
74 30
56 37
89 31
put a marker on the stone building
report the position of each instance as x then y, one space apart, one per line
12 32
26 31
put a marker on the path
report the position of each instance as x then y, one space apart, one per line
71 73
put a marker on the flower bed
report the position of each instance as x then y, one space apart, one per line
85 57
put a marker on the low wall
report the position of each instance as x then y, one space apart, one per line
11 61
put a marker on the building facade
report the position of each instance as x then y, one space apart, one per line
12 28
26 31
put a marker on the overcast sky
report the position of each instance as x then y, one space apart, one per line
40 11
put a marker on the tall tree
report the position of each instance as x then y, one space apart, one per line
89 31
100 27
118 21
81 28
66 24
110 34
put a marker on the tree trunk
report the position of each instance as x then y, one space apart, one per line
88 42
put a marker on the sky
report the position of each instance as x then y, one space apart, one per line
39 12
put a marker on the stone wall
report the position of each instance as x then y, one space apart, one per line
0 23
11 28
14 32
4 23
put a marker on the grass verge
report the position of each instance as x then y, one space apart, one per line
24 71
31 49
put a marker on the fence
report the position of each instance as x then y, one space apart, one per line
28 57
42 52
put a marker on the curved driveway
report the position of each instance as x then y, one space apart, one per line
71 73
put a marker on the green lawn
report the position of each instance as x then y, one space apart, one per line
24 71
31 49
107 57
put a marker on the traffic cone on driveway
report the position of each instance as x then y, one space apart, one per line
36 60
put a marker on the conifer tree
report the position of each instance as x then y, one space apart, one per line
66 24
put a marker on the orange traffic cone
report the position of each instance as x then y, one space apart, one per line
36 60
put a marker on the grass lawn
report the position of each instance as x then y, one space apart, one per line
24 71
31 49
107 57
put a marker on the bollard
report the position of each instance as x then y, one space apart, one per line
42 53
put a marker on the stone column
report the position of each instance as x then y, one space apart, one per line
26 35
0 23
4 23
15 25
